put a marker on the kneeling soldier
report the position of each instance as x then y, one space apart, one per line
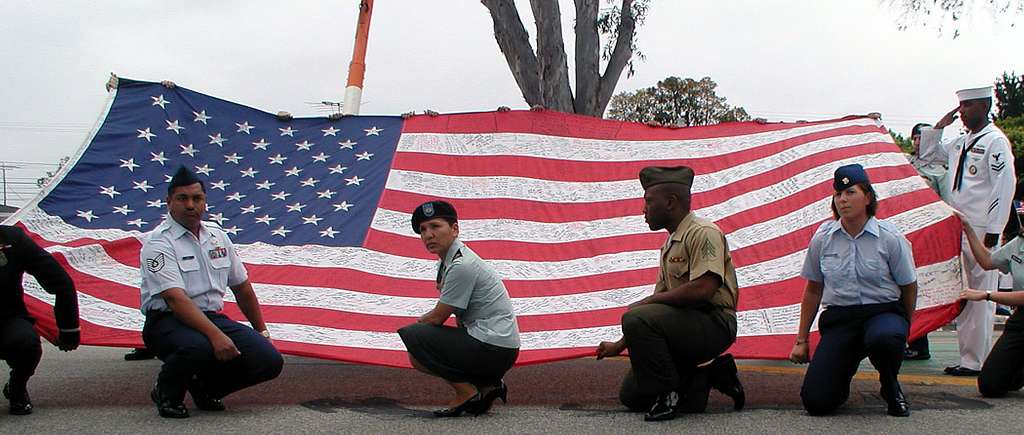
19 342
675 337
187 265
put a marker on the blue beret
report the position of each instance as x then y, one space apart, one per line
432 210
184 177
849 175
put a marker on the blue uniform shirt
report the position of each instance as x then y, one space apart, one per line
856 270
172 257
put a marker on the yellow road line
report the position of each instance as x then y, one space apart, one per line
868 376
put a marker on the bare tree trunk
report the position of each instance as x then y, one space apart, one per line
514 42
621 54
544 77
554 69
588 68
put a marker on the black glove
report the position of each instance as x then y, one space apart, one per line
68 341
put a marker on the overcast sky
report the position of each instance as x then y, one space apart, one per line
782 60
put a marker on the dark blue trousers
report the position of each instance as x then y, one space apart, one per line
188 356
848 334
20 347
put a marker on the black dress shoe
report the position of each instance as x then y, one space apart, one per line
963 371
203 400
485 403
950 369
207 403
898 406
913 355
139 354
665 407
725 378
458 410
166 408
693 395
20 403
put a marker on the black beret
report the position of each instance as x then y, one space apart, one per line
917 128
184 177
432 210
653 175
849 175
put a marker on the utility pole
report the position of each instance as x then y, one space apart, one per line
357 68
3 173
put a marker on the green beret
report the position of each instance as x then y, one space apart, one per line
653 175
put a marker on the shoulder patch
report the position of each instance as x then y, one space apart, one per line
155 264
708 250
458 254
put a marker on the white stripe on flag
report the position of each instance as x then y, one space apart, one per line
598 150
780 320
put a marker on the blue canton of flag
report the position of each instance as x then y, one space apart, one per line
298 182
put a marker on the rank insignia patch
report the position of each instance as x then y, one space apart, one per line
155 264
708 250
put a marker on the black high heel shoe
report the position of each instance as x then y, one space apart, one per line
500 392
458 410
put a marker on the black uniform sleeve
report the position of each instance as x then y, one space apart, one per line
41 265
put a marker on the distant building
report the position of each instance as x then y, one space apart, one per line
6 211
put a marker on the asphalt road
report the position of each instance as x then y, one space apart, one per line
93 390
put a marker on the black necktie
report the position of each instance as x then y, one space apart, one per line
958 179
440 273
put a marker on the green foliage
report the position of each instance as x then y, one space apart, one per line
1010 95
945 13
905 144
676 101
608 26
1014 129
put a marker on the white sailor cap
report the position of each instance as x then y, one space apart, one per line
974 93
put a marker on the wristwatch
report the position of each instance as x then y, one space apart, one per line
265 333
988 296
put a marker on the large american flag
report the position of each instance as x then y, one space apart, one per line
320 212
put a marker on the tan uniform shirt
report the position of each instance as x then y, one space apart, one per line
695 248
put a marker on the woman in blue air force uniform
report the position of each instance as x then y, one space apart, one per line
861 269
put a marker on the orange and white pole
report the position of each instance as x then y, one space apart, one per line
357 68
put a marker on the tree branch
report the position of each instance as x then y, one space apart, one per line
620 55
554 69
514 43
588 51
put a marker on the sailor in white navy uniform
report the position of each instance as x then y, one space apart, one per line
187 265
980 185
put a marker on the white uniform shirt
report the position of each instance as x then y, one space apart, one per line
985 193
172 257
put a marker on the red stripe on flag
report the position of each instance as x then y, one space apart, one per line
597 171
586 127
